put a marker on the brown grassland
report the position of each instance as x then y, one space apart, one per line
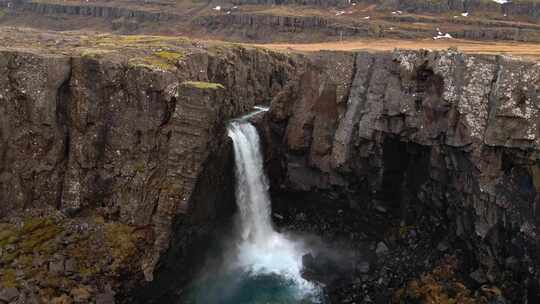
526 50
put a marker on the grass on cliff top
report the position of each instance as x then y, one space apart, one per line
119 41
204 85
161 60
165 52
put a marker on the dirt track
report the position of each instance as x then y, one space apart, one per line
529 50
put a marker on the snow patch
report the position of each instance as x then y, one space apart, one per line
440 35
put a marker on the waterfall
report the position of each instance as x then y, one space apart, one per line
252 185
262 250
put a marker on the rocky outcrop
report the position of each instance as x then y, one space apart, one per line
443 6
122 151
433 134
89 10
528 9
265 27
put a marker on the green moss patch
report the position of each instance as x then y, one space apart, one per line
121 241
204 85
98 252
170 56
161 60
35 236
9 278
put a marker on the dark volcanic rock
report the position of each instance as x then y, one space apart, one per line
130 161
91 10
135 148
436 134
8 295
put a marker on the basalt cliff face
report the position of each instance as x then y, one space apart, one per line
115 169
285 21
438 137
105 162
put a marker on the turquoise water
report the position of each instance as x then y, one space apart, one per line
249 288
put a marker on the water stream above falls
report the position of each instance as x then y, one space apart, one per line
260 265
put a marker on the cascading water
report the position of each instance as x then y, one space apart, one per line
251 184
266 265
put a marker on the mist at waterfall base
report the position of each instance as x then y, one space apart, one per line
260 265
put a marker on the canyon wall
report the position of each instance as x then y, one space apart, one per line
103 160
437 135
114 172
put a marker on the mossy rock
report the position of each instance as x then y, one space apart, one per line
121 240
9 278
8 235
203 85
151 63
170 56
99 253
35 235
160 60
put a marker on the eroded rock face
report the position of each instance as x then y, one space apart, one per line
115 160
432 133
31 87
131 148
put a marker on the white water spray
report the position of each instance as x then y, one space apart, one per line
262 250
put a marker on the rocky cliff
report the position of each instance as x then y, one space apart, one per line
266 27
104 153
527 9
87 10
295 21
441 137
115 169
